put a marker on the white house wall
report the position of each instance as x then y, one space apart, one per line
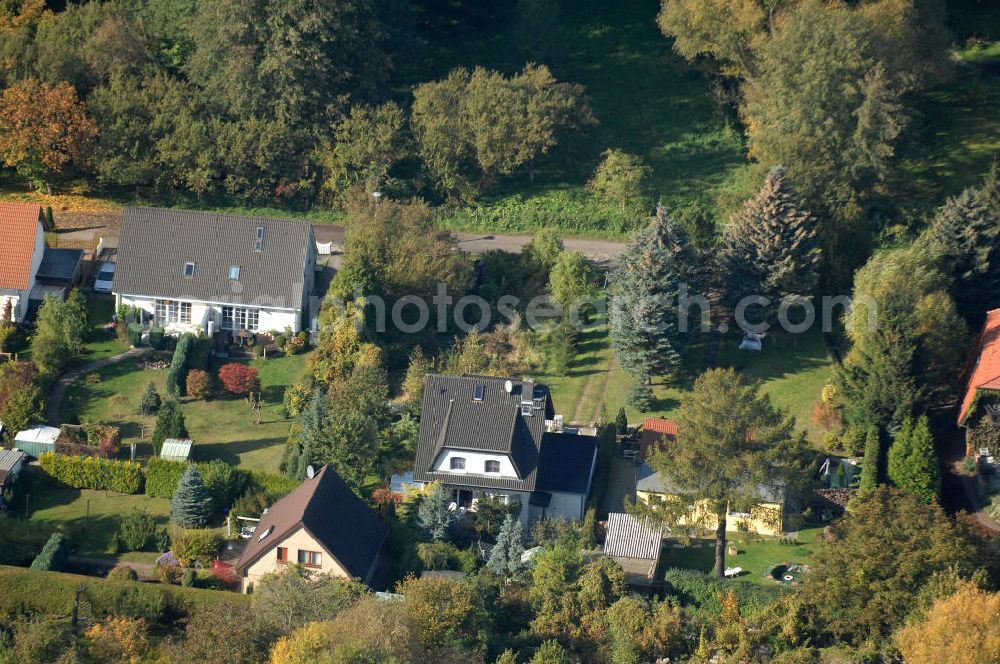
203 312
475 463
567 506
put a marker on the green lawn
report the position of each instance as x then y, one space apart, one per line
755 554
91 517
793 374
222 427
102 341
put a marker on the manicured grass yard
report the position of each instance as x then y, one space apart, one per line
51 506
102 341
793 374
755 557
222 427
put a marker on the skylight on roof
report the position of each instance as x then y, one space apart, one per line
264 534
478 392
188 269
259 244
234 272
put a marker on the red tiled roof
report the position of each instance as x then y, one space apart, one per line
18 226
653 431
985 374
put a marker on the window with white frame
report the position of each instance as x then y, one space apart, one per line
188 269
240 318
457 463
172 311
492 466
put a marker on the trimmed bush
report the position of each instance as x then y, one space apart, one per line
157 337
191 546
273 486
162 477
199 353
136 531
53 556
179 365
93 473
133 332
189 577
198 384
123 573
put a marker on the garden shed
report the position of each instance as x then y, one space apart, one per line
176 449
37 440
11 462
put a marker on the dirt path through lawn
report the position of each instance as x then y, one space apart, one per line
55 400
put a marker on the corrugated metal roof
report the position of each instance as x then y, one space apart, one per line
19 229
176 448
452 418
629 537
38 434
10 458
156 244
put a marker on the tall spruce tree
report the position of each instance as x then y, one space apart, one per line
872 462
912 461
965 231
433 512
191 505
505 557
772 248
643 304
169 424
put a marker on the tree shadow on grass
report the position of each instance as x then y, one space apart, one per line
230 452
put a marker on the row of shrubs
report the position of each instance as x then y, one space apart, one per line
40 594
223 481
191 353
93 472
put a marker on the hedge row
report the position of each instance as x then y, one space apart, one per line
50 594
162 477
93 473
224 482
179 365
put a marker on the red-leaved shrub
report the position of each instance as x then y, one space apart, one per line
239 379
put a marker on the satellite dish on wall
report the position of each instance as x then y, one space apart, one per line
310 472
508 386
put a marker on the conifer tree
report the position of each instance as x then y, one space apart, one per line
433 512
643 304
150 402
169 424
292 460
305 460
913 464
772 248
505 557
191 505
872 462
314 418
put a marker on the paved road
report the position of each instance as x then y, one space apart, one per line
59 389
602 252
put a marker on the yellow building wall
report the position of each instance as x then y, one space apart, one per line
298 540
755 522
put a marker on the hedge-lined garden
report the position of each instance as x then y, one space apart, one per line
93 472
34 593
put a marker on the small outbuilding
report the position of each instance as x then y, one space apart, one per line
176 449
37 440
11 462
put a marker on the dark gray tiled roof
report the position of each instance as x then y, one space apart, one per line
325 506
59 264
566 462
155 244
452 418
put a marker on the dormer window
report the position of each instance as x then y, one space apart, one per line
188 270
457 463
234 272
492 466
478 392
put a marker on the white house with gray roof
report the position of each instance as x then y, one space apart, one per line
198 271
487 435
